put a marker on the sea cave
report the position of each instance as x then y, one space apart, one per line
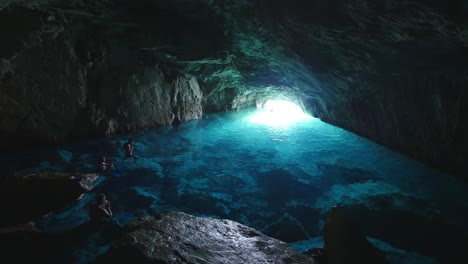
248 131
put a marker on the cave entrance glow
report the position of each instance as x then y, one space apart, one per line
279 180
279 113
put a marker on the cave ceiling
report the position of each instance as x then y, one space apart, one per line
308 50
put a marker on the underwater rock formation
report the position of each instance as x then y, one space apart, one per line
24 196
286 229
176 237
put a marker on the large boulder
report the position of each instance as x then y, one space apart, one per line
24 196
177 237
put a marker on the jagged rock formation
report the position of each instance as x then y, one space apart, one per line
392 71
177 237
65 75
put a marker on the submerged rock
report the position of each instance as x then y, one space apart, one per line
24 197
344 243
177 237
307 215
287 229
273 182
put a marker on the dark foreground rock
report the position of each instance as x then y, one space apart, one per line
24 197
428 234
344 243
24 244
177 237
287 229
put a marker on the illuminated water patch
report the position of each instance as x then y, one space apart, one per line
279 113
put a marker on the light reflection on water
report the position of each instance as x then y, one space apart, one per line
225 166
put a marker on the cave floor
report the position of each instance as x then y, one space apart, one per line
279 180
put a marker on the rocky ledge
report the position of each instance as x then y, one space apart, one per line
176 237
26 196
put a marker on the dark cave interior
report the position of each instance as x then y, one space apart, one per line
80 76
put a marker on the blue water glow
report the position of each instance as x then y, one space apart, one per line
226 166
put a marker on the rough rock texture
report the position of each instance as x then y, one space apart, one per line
24 197
64 75
177 237
392 70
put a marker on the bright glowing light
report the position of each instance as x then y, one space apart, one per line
279 113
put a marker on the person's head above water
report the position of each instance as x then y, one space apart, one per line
131 140
102 159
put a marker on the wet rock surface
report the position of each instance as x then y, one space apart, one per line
25 196
176 237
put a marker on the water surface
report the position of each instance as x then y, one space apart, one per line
280 180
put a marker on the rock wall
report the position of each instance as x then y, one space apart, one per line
64 77
421 114
392 71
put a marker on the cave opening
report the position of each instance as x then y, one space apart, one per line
266 113
278 113
266 177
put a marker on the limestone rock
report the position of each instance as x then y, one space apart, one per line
177 237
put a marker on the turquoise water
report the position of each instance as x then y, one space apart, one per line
279 180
